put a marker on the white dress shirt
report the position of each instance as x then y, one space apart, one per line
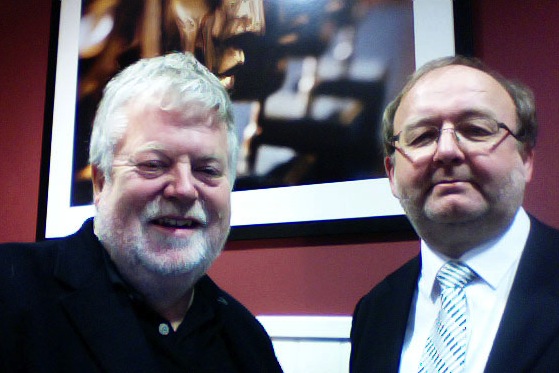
495 263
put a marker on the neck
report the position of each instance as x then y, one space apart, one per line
170 296
456 239
175 312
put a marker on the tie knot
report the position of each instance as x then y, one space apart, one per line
455 274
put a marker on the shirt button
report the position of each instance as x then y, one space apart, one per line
163 329
223 301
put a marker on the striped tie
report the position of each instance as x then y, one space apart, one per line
445 350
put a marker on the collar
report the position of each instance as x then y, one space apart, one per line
504 250
118 281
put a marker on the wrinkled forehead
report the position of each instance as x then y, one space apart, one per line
150 125
453 90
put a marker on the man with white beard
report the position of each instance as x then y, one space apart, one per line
128 292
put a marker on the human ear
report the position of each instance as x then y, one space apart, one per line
527 155
98 179
389 167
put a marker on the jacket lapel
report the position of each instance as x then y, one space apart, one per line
103 318
531 317
384 317
402 289
107 324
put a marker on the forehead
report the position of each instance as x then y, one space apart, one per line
145 114
175 127
453 90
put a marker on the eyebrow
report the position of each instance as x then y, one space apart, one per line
150 146
145 148
161 150
212 158
457 117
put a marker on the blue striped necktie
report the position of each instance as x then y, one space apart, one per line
445 350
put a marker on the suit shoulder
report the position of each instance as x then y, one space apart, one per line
395 288
248 336
26 271
406 273
27 253
43 255
543 239
225 300
543 230
236 317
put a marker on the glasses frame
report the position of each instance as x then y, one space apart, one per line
517 136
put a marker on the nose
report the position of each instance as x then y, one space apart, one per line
448 149
181 184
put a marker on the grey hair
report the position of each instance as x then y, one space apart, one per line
178 80
521 95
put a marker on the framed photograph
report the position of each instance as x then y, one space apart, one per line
308 80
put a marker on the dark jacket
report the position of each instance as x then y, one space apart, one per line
528 336
60 313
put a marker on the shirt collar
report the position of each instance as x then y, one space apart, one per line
504 250
116 279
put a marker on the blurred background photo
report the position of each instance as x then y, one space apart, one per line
309 79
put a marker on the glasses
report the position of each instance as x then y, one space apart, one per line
473 135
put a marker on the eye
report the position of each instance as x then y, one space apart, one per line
420 137
152 168
210 171
477 129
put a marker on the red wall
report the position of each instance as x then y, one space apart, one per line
521 40
302 275
24 37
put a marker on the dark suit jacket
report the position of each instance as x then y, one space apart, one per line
528 336
59 313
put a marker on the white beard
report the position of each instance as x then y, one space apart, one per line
141 247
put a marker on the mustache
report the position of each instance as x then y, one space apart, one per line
160 207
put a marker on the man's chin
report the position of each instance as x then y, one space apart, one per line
171 256
172 268
455 214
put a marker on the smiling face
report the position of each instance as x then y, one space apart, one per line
165 208
455 189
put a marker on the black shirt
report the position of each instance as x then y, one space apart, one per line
198 345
